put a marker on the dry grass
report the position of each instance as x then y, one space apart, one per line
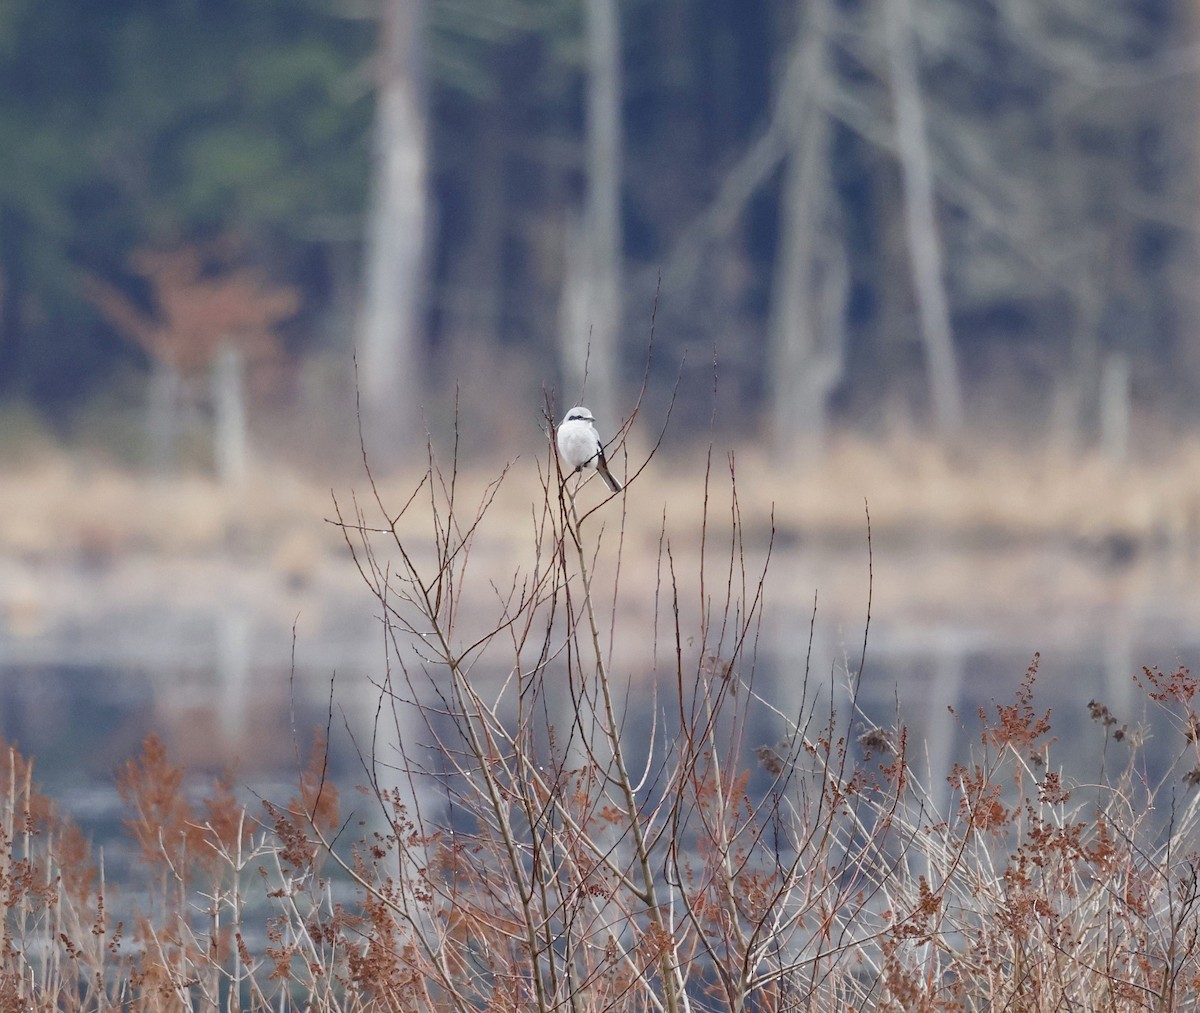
55 504
987 495
989 539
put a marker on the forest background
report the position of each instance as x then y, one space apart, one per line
922 214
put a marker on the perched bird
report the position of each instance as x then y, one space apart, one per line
580 447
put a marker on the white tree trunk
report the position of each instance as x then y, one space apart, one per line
595 326
389 360
1115 406
164 406
575 310
806 325
229 415
924 243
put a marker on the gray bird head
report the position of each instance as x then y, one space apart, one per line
579 414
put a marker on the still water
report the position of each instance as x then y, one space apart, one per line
239 681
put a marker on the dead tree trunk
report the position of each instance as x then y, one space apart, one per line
924 243
390 366
229 415
164 400
1115 407
806 326
595 325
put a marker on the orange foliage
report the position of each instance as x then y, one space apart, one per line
202 301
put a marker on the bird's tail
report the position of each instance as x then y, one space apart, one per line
609 480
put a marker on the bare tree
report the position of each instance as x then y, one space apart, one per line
806 327
924 243
389 340
592 281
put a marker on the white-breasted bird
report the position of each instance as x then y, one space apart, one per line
580 447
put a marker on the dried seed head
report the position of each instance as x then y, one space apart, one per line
876 740
771 761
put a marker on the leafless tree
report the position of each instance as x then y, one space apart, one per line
807 333
924 240
390 362
591 316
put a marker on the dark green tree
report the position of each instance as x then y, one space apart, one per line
132 124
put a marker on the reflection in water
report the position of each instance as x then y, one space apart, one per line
202 653
79 723
233 713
